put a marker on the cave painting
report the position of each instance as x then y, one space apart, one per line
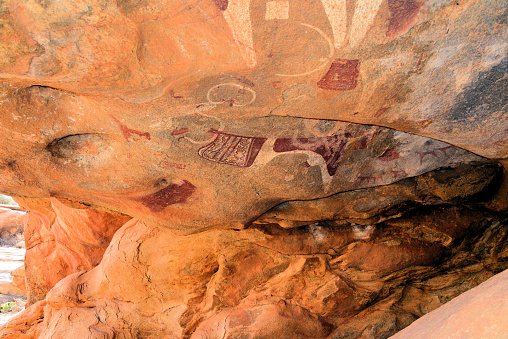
363 17
398 173
238 17
263 208
389 155
443 150
328 153
129 133
403 16
330 148
342 76
173 193
232 149
324 60
242 151
231 93
336 13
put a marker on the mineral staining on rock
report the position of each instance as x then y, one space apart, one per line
231 169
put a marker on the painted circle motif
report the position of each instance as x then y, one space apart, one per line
314 57
232 94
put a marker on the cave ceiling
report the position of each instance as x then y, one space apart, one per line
284 129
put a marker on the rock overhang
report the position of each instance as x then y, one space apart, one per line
335 130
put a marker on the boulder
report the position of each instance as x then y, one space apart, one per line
11 225
19 280
477 313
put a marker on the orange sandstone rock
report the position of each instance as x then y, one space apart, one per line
294 168
61 240
477 313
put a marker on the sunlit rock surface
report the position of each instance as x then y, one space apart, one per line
316 281
475 314
252 169
61 240
11 225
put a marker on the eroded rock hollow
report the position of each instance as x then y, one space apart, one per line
253 169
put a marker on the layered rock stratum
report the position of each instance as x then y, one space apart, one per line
253 169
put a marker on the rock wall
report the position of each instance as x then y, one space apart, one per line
314 169
11 225
318 281
61 240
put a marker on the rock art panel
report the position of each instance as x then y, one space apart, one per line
232 149
342 76
176 193
294 168
330 148
167 177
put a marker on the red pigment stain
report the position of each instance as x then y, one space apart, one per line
246 81
129 133
398 173
173 164
362 143
276 84
381 111
180 131
342 76
445 149
403 15
169 195
424 154
221 4
367 179
419 63
173 95
389 155
330 148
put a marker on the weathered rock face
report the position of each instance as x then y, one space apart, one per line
318 281
11 224
295 168
461 317
61 240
